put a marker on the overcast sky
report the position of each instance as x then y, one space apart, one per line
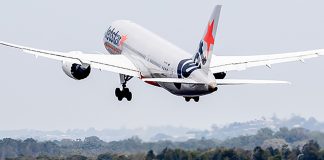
36 94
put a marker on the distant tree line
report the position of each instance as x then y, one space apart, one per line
285 144
310 151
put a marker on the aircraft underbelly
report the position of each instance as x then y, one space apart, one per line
187 90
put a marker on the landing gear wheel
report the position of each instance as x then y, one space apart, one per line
117 92
126 91
120 98
129 96
196 99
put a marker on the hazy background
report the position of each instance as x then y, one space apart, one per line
36 94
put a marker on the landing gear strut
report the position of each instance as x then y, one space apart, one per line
124 93
196 99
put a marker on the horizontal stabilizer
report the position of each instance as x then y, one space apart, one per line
171 80
218 81
246 81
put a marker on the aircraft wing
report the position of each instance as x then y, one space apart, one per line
232 63
114 63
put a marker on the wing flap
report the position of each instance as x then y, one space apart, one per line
51 56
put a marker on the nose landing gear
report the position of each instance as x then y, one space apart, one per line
196 99
124 93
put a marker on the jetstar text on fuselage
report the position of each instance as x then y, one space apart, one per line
113 36
113 41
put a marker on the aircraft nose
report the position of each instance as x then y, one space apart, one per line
212 87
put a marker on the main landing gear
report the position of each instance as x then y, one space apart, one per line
196 99
124 93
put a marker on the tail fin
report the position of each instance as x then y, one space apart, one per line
204 53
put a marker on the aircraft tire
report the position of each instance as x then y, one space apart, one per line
129 96
126 91
117 92
120 98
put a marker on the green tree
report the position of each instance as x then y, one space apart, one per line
321 155
311 150
295 152
285 151
259 154
106 156
229 154
150 155
274 154
77 157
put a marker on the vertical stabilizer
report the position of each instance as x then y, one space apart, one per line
206 45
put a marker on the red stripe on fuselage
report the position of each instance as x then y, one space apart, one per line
153 83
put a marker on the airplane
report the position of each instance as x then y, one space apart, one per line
133 51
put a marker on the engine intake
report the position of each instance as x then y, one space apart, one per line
76 71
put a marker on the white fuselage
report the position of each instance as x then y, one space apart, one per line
155 57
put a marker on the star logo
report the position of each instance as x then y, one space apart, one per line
209 38
122 40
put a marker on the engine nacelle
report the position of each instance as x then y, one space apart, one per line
76 71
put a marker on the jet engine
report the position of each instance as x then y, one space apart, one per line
76 71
